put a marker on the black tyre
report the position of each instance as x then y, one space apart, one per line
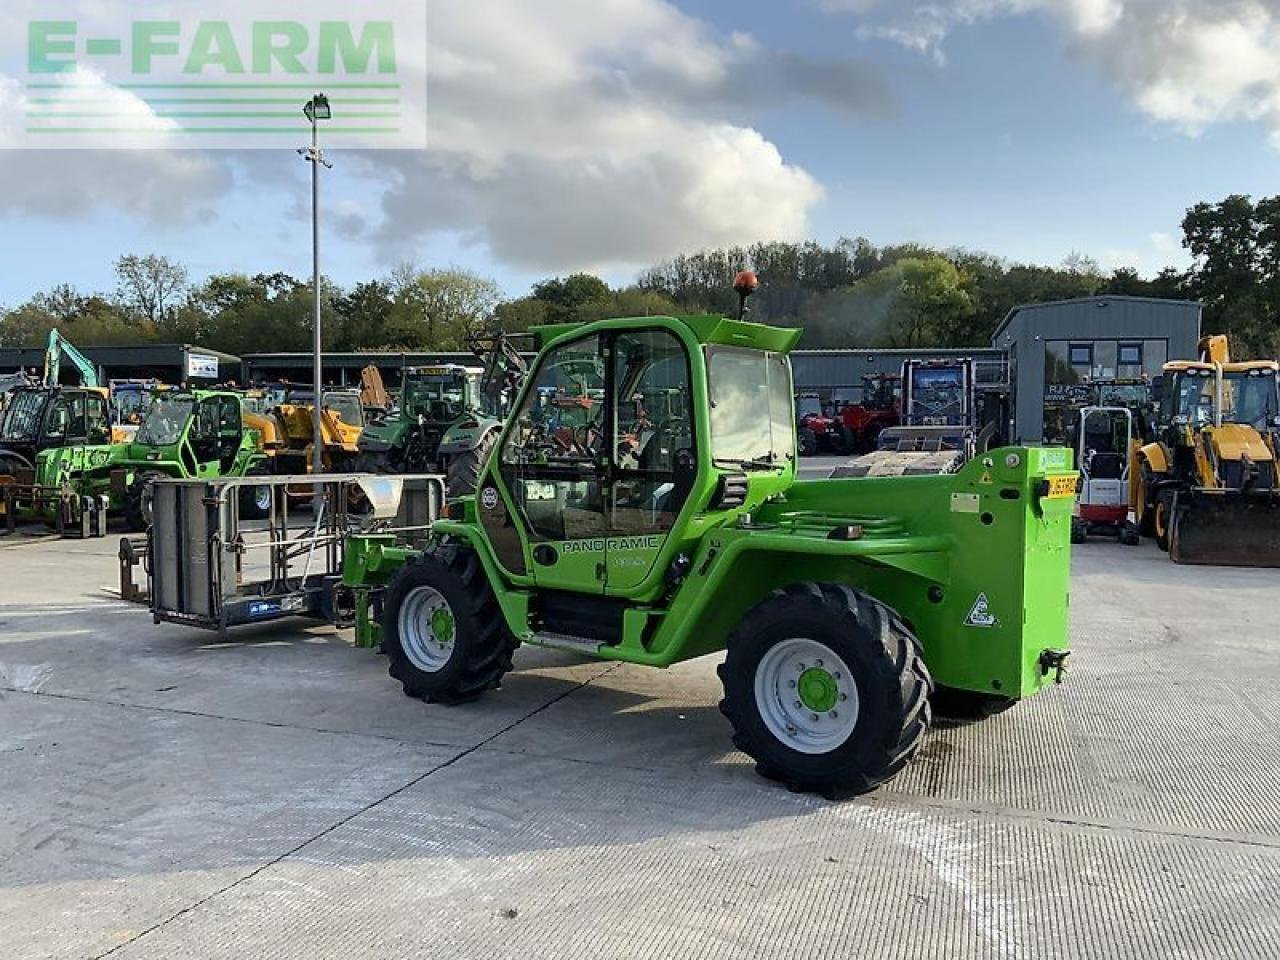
442 629
844 442
15 466
1079 530
417 458
369 463
1162 521
255 502
1129 535
807 442
137 500
856 673
1146 505
463 473
958 708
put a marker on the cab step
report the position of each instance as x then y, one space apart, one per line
563 641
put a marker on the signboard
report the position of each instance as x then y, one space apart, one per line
201 366
1068 393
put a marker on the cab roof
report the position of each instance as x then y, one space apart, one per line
1243 366
706 328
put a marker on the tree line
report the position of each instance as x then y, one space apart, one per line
852 293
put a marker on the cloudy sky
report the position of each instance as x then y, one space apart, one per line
606 134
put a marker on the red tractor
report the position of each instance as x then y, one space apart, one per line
878 410
817 429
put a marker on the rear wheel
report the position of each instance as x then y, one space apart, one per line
463 473
1129 535
137 500
1079 530
442 628
826 690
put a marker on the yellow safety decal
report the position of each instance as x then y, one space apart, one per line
1061 486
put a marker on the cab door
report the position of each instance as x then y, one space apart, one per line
653 461
597 464
546 511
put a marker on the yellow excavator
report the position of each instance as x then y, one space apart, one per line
1207 488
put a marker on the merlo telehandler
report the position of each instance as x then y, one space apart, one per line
851 610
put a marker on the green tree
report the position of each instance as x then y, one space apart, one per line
148 285
564 297
436 309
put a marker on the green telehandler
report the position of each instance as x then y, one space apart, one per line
186 434
670 525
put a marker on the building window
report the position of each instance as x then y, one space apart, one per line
1082 355
1130 354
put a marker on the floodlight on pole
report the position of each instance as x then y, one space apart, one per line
316 110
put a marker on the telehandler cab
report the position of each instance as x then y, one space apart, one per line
656 533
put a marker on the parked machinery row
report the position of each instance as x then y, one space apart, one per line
91 444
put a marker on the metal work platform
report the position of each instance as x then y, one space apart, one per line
209 567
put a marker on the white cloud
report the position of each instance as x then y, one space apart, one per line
158 186
1188 63
603 134
574 134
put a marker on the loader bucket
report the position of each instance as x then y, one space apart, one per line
1226 528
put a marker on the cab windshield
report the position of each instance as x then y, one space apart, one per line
938 395
808 407
347 406
752 419
165 421
22 418
445 395
131 406
1249 397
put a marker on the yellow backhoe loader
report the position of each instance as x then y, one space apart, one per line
1207 487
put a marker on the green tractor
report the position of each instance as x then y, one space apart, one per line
438 429
669 524
449 416
185 435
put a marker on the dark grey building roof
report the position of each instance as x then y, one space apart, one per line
1079 302
127 355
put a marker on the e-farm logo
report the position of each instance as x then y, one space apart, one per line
236 76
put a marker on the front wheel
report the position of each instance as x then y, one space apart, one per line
442 629
1146 505
137 501
462 475
255 502
1162 520
807 442
826 690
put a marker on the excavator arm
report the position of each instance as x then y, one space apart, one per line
58 347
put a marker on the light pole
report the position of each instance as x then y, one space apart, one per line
316 109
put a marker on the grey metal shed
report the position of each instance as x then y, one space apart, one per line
1054 345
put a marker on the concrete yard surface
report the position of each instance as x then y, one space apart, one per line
164 794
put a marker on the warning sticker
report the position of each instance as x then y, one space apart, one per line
980 614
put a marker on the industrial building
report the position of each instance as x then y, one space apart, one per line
1053 347
168 362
